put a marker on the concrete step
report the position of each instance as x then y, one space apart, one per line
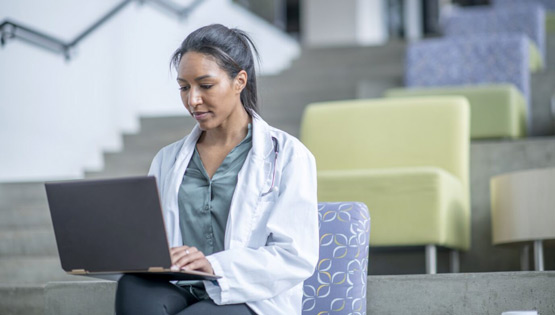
20 299
152 141
22 194
341 66
90 298
323 78
178 123
282 100
140 149
462 294
33 269
542 116
377 88
454 294
115 173
319 58
28 242
22 216
140 159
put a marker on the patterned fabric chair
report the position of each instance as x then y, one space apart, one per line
338 284
526 19
549 5
469 60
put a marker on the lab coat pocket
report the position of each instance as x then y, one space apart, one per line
260 232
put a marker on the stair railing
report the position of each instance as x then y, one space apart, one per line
10 30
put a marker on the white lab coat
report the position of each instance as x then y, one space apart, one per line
271 241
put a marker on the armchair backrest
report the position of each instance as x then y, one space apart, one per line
549 5
338 284
528 18
389 133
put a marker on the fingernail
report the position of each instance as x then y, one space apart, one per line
185 268
174 268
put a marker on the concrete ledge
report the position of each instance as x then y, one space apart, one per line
454 294
18 299
90 298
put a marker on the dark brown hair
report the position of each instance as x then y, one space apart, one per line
231 48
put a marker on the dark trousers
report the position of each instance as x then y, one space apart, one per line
146 295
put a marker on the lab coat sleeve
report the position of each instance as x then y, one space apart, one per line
291 251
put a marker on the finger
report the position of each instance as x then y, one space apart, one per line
193 249
200 265
185 250
179 249
175 253
180 252
188 259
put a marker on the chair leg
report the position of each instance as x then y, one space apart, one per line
538 255
525 258
454 261
431 259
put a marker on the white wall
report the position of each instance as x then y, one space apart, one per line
57 117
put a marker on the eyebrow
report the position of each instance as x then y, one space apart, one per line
197 78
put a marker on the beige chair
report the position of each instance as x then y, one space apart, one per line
523 210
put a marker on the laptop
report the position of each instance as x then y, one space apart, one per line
112 226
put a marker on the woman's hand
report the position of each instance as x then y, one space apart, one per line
189 258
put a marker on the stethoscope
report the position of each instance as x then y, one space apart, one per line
276 152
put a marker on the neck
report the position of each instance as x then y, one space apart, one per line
230 132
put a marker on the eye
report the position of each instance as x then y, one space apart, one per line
184 88
206 86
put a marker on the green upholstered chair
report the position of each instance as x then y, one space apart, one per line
550 23
496 110
407 159
535 61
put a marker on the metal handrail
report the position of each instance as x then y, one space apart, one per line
14 30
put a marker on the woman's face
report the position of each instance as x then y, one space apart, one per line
210 96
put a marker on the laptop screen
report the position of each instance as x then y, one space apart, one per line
108 225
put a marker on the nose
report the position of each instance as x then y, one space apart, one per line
194 98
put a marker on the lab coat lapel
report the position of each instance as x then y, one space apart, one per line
172 184
251 181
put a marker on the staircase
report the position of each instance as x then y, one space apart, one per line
28 254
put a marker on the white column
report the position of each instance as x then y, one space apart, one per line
413 19
342 23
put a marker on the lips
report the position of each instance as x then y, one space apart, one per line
200 115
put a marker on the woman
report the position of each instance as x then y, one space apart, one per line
239 197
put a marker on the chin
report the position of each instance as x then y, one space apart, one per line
204 126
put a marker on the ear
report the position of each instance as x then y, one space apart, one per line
240 81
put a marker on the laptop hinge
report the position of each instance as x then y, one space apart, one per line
156 269
78 272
